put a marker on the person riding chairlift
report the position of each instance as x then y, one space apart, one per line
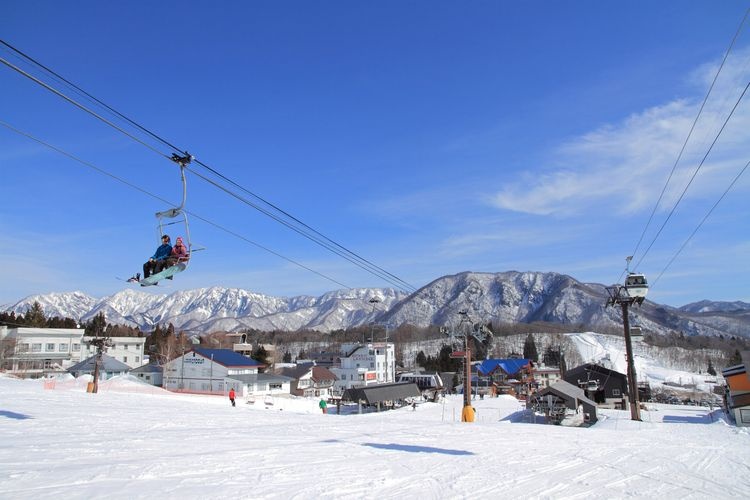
179 254
157 262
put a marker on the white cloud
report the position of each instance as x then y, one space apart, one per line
623 167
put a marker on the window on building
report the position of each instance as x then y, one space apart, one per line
76 347
36 347
615 392
124 359
137 359
63 347
24 348
274 386
125 346
50 347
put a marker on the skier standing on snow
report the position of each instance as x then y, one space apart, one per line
231 395
323 405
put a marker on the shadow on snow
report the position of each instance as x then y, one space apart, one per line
416 449
14 415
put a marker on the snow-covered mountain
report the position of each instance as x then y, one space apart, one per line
217 308
525 297
507 297
709 306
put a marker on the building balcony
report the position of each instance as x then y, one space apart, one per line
244 347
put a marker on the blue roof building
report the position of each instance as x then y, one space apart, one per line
226 357
508 367
208 371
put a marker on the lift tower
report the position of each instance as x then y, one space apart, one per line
632 292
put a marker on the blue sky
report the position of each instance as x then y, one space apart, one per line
429 137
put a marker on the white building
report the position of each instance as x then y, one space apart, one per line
365 364
129 350
35 352
252 386
546 376
207 371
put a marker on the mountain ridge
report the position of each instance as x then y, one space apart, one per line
506 297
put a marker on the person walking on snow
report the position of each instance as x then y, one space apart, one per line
231 395
323 405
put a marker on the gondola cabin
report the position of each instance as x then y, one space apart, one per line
636 334
636 285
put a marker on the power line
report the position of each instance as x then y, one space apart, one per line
305 229
156 197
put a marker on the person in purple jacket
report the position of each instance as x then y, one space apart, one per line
158 261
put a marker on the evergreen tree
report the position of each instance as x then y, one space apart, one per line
9 319
35 316
261 355
551 356
97 326
421 359
287 357
529 349
444 362
711 370
736 358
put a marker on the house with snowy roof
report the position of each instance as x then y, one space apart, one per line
608 388
506 376
150 373
109 367
310 380
737 396
206 371
562 400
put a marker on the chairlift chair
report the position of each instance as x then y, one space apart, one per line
174 213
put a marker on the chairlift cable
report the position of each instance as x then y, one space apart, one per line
80 90
353 256
159 198
692 128
731 184
682 195
81 106
299 231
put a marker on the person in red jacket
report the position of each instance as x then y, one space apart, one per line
231 395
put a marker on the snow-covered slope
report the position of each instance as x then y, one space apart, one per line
609 351
153 444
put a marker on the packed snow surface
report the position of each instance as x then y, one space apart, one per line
134 441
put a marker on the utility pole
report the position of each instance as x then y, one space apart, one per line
633 292
374 301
